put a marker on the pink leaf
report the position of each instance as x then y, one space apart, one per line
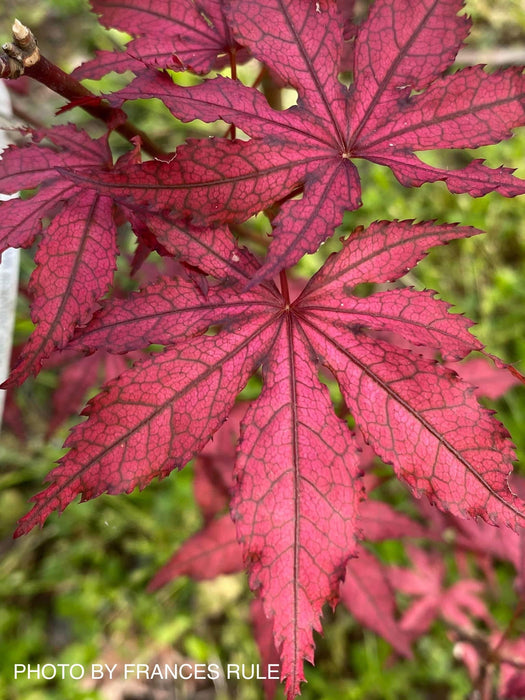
303 49
213 480
76 256
425 581
128 438
379 521
417 317
295 490
475 178
28 166
172 33
306 221
214 251
383 252
209 553
75 264
369 597
432 449
22 217
212 181
106 62
75 379
490 381
398 50
293 438
163 313
401 47
468 109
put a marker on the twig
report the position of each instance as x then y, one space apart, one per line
23 57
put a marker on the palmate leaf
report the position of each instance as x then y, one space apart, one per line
425 582
370 597
297 524
401 49
75 264
76 256
176 34
296 494
214 550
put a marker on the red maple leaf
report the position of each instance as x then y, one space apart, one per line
176 34
296 492
401 102
490 381
76 256
214 550
366 590
213 469
425 581
370 597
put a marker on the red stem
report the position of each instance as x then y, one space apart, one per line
232 131
284 286
233 63
258 80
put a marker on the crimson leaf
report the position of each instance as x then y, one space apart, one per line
77 253
425 581
214 550
401 49
76 256
369 596
75 380
176 34
296 494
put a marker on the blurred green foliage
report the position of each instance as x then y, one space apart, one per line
75 592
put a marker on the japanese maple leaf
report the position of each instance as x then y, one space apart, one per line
479 539
401 102
366 591
76 256
425 582
370 597
296 492
213 469
176 34
214 550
